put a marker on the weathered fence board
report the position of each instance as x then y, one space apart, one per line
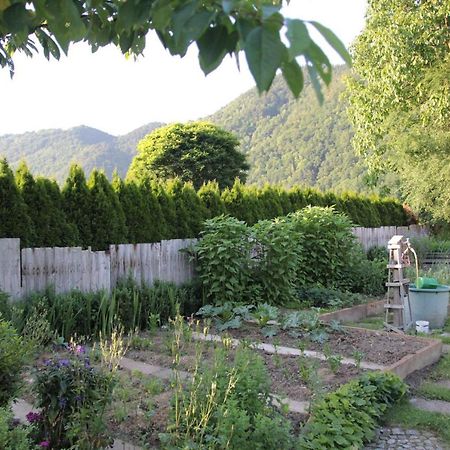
10 266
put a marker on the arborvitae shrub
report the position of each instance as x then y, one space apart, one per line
270 202
158 222
106 214
137 214
210 197
174 189
195 209
77 202
14 219
168 210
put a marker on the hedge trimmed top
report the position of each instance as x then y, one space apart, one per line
97 213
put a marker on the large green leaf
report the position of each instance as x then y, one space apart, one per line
334 41
212 48
293 75
264 52
298 36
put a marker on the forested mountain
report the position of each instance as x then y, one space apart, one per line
287 142
293 142
50 152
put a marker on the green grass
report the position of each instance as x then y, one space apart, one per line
372 323
407 416
442 369
434 392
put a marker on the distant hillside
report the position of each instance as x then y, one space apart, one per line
293 142
50 152
287 142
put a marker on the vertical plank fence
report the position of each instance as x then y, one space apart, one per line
33 269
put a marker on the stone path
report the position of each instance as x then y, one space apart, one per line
438 406
399 438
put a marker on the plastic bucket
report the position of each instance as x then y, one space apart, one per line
430 305
427 283
422 326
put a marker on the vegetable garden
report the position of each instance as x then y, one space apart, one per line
238 359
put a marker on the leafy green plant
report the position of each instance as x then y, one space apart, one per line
347 417
13 355
358 357
72 397
14 436
263 313
223 260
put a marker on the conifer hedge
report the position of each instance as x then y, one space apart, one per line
97 213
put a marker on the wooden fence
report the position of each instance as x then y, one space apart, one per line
379 237
66 268
32 269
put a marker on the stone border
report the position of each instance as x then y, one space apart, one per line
355 313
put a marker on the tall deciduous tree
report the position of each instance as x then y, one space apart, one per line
14 219
218 28
197 152
400 98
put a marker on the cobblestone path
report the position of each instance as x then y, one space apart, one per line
398 438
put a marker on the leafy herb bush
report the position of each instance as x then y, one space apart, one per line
347 417
328 246
279 254
223 259
13 354
264 312
12 435
72 397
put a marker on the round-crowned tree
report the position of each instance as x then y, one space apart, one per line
197 152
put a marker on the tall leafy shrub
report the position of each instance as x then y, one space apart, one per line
223 259
328 246
279 254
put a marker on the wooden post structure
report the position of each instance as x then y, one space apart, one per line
397 306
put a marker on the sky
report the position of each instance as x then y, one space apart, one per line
108 92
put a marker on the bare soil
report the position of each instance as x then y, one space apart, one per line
376 346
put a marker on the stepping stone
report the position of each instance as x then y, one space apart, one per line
21 408
150 369
294 405
446 348
438 406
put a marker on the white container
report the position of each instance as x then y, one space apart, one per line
422 326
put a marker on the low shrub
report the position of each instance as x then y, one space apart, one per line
14 436
13 354
347 417
321 297
72 397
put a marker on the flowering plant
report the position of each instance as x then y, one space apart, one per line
72 397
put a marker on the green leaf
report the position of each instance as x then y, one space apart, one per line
293 75
212 48
17 18
334 41
264 52
298 36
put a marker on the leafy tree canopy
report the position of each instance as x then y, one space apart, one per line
198 152
217 27
400 98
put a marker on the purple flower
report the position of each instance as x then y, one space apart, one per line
87 363
48 362
64 363
62 402
79 349
45 444
33 417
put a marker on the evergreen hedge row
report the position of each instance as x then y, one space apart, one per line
95 212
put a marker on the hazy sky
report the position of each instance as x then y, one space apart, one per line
105 91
